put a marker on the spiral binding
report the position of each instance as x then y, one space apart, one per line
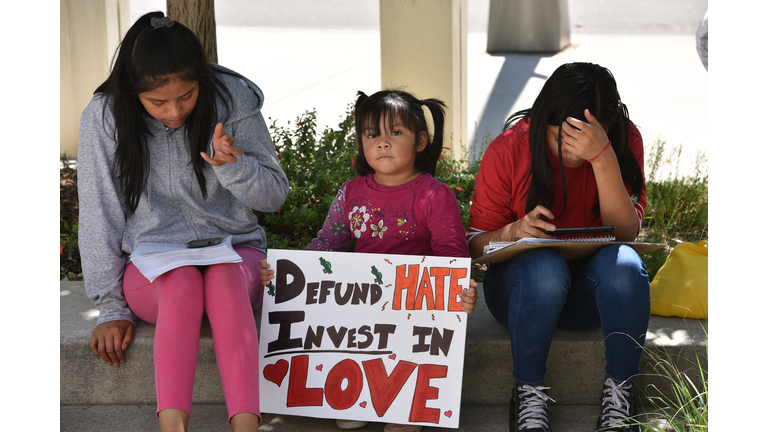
500 243
607 237
604 236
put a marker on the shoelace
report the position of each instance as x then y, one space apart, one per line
533 404
615 405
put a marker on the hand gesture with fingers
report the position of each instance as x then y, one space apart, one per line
587 140
223 148
110 339
532 225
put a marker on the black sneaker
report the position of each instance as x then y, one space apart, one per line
617 407
528 409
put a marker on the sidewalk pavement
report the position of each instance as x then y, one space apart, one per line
213 418
306 54
660 77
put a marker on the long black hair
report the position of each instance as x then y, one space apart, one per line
393 104
571 89
150 57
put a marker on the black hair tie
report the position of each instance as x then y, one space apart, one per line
161 22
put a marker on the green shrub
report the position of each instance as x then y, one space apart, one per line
69 251
678 206
460 177
316 166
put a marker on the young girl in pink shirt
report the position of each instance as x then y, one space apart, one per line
395 205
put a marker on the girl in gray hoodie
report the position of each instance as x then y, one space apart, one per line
174 149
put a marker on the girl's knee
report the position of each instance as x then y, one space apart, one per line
623 272
621 256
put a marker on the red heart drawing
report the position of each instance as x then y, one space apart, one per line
276 372
392 356
319 367
363 404
448 414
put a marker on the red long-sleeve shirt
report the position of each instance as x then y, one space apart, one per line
500 186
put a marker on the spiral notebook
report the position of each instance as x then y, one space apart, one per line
575 243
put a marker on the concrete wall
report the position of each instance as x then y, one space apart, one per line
89 34
423 52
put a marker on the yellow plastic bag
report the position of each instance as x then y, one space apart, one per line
680 286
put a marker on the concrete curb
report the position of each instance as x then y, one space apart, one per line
575 367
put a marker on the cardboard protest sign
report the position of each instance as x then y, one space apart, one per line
364 337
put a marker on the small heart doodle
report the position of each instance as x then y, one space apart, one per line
392 356
319 367
448 414
276 372
363 404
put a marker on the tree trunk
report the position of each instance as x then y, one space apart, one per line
199 17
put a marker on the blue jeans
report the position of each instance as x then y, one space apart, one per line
539 291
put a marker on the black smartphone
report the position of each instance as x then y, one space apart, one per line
581 230
204 242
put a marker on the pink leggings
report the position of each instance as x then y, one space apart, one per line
175 302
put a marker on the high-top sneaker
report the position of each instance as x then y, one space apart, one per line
528 409
617 407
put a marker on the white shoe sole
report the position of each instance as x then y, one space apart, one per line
351 424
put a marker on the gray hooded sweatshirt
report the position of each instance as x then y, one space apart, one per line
172 208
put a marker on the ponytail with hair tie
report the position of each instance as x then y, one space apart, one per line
390 103
165 21
437 109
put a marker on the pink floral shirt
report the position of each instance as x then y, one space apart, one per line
420 217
